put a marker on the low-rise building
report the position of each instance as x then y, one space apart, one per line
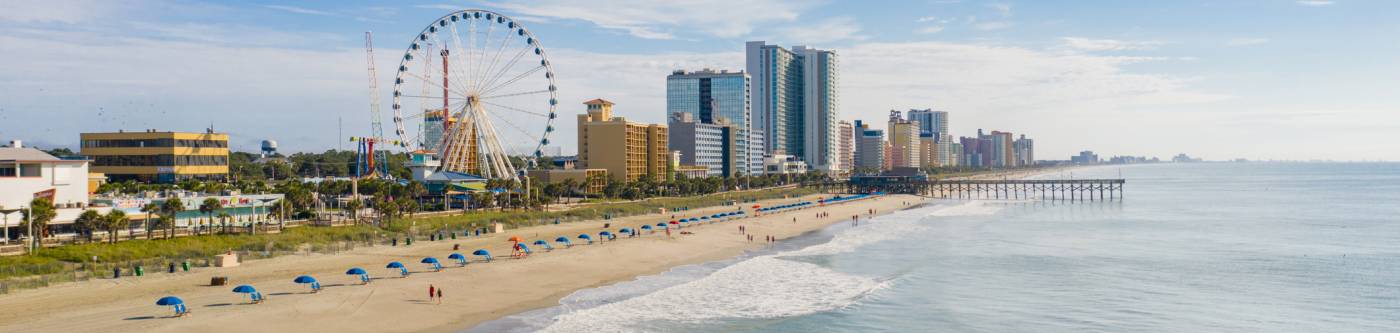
784 164
591 180
28 173
153 156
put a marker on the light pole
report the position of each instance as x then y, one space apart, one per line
6 225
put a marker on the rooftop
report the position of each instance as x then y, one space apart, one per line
27 155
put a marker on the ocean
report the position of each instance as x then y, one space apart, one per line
1203 247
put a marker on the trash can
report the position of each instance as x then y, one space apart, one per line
454 235
116 272
394 242
172 268
140 271
186 265
408 241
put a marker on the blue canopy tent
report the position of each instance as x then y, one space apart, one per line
461 259
544 244
437 266
586 237
364 276
307 279
175 302
483 253
403 271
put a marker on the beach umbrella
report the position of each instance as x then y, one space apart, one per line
244 289
625 230
429 260
755 206
544 244
524 248
169 301
516 239
356 271
394 264
585 236
605 234
562 239
483 253
304 279
646 227
674 222
461 259
662 224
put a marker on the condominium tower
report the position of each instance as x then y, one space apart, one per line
717 98
628 150
796 101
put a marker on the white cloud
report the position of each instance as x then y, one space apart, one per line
298 10
830 30
1316 3
661 19
931 29
993 25
1246 41
56 11
1088 44
926 19
1002 9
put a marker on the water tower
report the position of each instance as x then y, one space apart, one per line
269 148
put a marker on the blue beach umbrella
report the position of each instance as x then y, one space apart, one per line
169 301
605 234
461 259
394 264
625 230
304 279
544 244
244 289
586 237
356 271
524 248
661 225
429 260
646 227
562 239
483 253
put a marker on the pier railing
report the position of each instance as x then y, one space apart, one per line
1008 189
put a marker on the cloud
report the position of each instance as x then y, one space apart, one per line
1315 3
830 30
926 19
661 19
1087 44
993 25
1002 9
1246 41
931 29
57 11
299 10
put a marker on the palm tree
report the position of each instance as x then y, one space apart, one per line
87 222
43 212
171 207
353 206
114 221
209 206
223 220
150 208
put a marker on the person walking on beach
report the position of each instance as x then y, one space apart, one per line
431 289
439 296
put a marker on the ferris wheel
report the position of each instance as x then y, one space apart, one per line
475 88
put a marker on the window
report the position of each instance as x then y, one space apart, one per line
8 170
30 170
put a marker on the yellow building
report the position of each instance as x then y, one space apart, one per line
592 180
152 156
628 150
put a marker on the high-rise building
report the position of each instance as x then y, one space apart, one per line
977 151
954 153
628 150
152 156
847 146
934 125
796 101
870 147
712 146
928 151
717 98
904 142
1003 151
1025 151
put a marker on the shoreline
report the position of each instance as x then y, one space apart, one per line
473 295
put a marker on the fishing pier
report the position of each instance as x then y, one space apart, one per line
1006 189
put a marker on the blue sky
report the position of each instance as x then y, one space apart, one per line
1276 79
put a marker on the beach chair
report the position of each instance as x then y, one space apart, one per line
315 287
403 272
364 279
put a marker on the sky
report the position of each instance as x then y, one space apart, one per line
1280 79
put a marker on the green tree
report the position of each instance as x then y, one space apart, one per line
114 222
353 207
169 210
209 206
87 222
43 211
223 220
151 209
409 206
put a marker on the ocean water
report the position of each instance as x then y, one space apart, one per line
1192 248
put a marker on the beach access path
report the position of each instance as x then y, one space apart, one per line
473 294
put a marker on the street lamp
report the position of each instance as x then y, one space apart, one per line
6 225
